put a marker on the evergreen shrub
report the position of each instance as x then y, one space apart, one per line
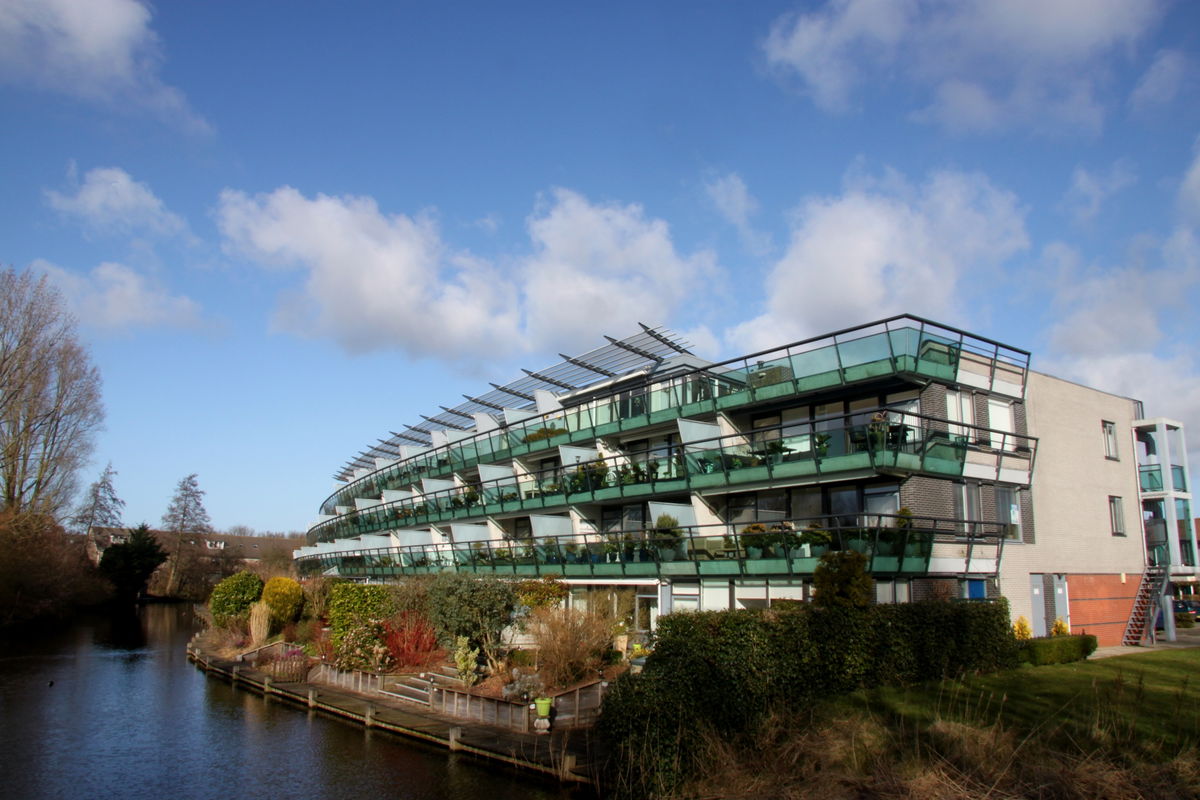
353 605
231 598
1057 649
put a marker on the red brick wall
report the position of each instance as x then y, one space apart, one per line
1100 605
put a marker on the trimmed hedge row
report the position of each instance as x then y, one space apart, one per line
725 669
1057 649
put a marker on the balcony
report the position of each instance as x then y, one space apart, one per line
1151 478
901 346
786 455
894 546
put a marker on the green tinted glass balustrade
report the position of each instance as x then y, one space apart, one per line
894 545
1151 478
795 452
904 345
1178 481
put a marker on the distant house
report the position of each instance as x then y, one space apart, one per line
198 561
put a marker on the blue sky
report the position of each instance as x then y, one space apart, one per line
287 229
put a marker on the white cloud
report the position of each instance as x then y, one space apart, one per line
1189 191
1089 190
373 281
731 197
598 268
884 248
109 200
97 50
1161 81
987 65
114 297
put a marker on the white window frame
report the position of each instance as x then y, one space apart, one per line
1116 515
960 408
1111 449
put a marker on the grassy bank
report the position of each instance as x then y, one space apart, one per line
1125 727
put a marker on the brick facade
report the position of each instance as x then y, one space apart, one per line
1100 605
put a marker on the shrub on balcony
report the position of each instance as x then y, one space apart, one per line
542 434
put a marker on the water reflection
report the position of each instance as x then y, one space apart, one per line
127 716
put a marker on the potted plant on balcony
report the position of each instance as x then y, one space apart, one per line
816 539
755 539
787 541
652 469
667 536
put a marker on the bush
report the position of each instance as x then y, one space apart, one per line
1185 620
841 579
411 640
352 605
571 643
1057 649
231 598
541 592
285 599
725 670
478 608
316 596
363 647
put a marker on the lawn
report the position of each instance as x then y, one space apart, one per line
1147 705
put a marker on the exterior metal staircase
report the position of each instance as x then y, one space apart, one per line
1145 607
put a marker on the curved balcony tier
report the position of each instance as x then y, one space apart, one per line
895 545
904 347
792 454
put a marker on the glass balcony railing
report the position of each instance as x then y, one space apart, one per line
1151 477
898 345
798 453
1178 481
893 544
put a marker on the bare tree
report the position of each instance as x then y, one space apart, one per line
100 507
49 397
187 521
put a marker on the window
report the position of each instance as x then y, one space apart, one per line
967 506
960 408
1110 439
1000 420
1008 511
1116 515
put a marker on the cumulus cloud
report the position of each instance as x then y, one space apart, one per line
1089 190
885 247
1161 81
600 267
986 66
97 50
110 201
735 203
372 280
115 298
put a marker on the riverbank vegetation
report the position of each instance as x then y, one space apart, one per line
412 626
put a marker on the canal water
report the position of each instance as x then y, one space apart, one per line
112 708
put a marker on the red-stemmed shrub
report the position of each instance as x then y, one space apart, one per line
411 639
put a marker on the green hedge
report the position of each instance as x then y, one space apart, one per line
231 598
1057 649
354 604
725 669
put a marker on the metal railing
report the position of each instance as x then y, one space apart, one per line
896 345
797 452
893 544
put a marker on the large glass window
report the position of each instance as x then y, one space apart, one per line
881 503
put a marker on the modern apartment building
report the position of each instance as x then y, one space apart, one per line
654 481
